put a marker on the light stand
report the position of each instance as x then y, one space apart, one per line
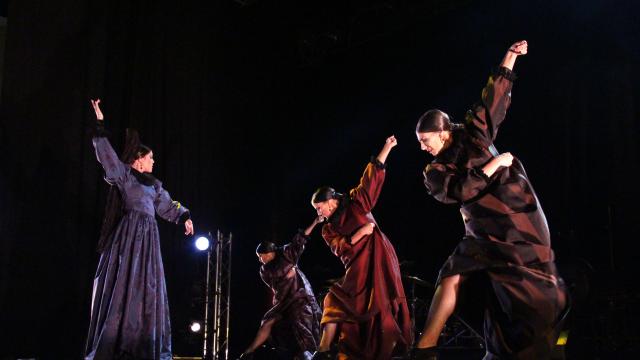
218 299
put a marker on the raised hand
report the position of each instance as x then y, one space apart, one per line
515 50
388 145
96 108
519 48
391 141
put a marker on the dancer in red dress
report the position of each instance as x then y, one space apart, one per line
368 307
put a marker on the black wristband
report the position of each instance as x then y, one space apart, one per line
380 165
99 130
184 217
505 73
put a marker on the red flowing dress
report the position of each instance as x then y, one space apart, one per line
369 302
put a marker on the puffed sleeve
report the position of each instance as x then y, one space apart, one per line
294 249
368 190
485 117
450 185
168 209
114 169
337 243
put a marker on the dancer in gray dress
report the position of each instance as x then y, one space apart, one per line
129 309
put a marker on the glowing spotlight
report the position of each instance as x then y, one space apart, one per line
202 243
195 326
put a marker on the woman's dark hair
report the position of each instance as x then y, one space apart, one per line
325 193
266 247
133 149
435 120
114 210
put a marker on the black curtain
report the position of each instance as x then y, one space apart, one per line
248 108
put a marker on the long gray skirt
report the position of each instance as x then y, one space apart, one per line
130 311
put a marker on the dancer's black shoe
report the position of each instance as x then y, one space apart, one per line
429 353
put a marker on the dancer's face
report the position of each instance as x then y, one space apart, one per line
326 208
266 257
432 142
145 163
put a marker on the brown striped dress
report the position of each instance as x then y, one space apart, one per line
507 244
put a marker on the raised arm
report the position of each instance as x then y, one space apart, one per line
368 190
389 144
484 119
96 109
515 50
114 169
294 249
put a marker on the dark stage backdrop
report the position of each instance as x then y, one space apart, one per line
249 106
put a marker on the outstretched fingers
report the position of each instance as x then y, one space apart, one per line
96 109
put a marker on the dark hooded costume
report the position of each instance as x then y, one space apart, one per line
295 309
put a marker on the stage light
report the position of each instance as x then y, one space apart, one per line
195 326
202 243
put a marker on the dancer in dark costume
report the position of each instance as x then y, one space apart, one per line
368 307
507 242
129 309
293 323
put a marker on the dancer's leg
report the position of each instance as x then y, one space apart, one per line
261 336
328 333
442 306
